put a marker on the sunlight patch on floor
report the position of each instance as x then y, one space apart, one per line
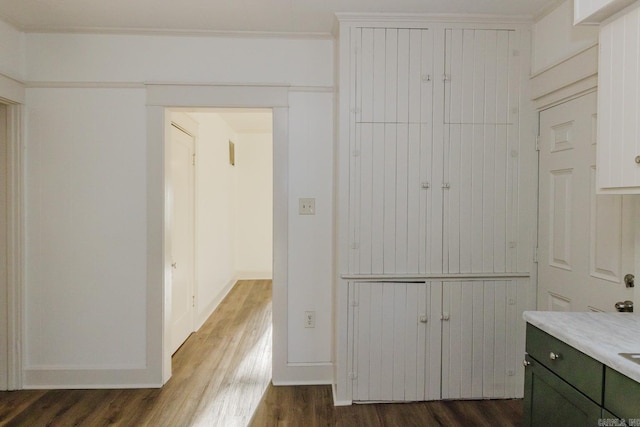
237 398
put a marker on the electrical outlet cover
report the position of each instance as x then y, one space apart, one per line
307 206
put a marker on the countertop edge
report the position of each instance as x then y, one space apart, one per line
554 324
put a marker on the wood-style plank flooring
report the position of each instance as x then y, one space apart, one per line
221 377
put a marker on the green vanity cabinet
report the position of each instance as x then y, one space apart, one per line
551 401
565 387
562 385
621 396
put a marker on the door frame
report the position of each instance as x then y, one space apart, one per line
12 96
161 97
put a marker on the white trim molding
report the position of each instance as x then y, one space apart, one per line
12 94
16 238
11 90
568 79
159 99
416 19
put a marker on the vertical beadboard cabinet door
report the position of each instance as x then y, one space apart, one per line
396 342
437 340
481 145
394 218
482 337
436 151
618 149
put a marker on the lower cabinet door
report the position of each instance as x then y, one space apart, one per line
550 401
396 341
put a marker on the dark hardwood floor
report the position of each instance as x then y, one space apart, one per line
221 377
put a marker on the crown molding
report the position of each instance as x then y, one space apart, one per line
11 23
84 85
548 9
354 17
178 32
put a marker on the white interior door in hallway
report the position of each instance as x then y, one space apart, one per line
182 236
585 240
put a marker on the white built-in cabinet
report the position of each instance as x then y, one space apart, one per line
437 202
618 150
434 151
437 339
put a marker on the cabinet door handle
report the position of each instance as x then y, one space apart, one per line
638 160
554 356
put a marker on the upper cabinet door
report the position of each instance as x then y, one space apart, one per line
390 69
391 153
618 149
481 150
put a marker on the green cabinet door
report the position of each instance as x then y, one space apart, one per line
549 401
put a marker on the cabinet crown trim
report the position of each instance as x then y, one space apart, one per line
395 18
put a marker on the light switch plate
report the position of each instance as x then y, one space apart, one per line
306 206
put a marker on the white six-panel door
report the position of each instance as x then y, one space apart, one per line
585 240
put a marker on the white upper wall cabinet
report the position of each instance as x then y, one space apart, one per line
595 11
618 152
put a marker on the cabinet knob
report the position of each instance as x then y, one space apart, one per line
554 356
526 363
638 160
444 316
423 318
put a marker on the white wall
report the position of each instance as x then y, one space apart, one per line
12 49
254 205
215 213
86 236
123 58
86 273
555 38
310 236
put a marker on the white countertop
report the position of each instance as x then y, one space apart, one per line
600 335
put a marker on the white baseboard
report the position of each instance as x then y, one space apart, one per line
204 314
334 392
254 275
320 373
301 382
38 379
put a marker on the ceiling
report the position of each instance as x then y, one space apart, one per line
279 16
247 120
241 120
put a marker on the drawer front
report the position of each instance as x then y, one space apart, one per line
581 371
621 395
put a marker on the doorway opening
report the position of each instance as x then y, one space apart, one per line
219 175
